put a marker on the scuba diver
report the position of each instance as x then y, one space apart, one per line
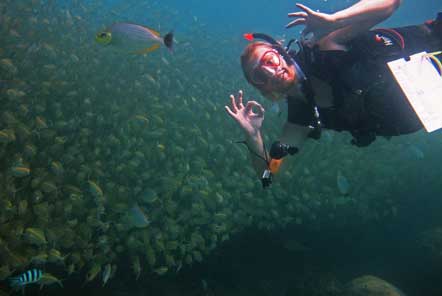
338 79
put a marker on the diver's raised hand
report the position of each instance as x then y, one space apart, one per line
249 121
317 23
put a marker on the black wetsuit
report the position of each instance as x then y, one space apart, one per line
367 101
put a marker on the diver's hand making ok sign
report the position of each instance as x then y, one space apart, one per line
317 23
249 121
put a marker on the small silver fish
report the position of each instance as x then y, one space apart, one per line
417 152
343 184
137 217
106 273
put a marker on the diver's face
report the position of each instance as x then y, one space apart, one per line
269 71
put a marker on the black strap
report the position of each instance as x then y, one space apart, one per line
307 89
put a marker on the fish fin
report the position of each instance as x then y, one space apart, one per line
147 50
154 32
14 282
168 40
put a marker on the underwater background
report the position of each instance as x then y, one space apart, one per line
120 175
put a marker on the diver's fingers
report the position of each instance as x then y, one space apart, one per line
296 22
249 107
251 104
298 14
233 103
240 95
305 8
230 112
260 111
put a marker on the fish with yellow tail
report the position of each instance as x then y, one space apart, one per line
133 38
48 279
92 273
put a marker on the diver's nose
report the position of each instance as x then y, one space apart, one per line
269 71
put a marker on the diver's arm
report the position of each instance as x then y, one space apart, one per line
292 134
250 121
257 153
344 24
357 19
365 12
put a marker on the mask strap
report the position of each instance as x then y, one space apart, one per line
272 41
299 72
262 36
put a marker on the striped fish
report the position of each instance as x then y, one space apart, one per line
29 277
134 38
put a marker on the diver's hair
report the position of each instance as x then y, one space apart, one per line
247 55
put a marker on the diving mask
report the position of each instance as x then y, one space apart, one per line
267 67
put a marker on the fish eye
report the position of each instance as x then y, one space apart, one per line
103 34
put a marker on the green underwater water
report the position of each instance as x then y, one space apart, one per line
87 134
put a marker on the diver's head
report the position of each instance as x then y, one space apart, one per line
268 70
103 37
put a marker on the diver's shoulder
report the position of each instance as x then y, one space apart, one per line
327 44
